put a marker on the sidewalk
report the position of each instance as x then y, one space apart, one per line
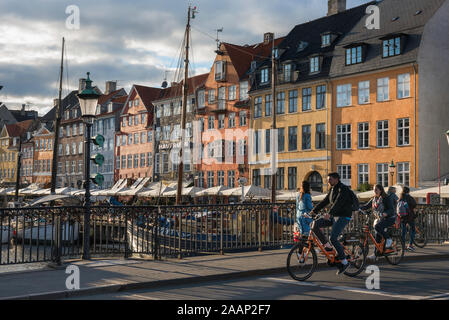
105 276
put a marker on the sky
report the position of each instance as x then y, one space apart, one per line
134 42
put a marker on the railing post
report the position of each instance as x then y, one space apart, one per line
126 235
221 233
156 250
180 234
59 239
259 217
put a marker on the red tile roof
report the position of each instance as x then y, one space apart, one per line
17 129
121 99
106 97
176 91
148 94
241 56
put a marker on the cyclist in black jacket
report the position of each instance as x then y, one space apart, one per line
340 200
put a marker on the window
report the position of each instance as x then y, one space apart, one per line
306 99
292 178
231 179
404 86
222 98
220 178
325 40
354 55
343 136
392 47
210 179
231 120
149 158
167 110
73 148
80 166
165 163
363 92
232 92
211 122
268 105
136 120
267 140
73 166
157 163
211 96
404 173
314 64
256 177
306 137
383 89
130 139
267 179
189 130
221 121
280 109
320 136
136 102
280 179
320 97
130 161
117 163
264 76
403 132
257 141
243 90
136 161
136 138
178 105
345 174
292 101
344 95
149 136
287 72
80 147
257 107
142 160
201 99
130 121
382 174
363 129
382 133
60 150
220 70
242 118
74 130
363 174
143 137
281 139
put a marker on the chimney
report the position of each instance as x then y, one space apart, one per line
336 6
268 37
82 85
22 111
111 86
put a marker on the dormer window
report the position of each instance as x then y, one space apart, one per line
325 40
354 55
302 45
253 65
392 46
110 107
315 64
264 76
220 70
287 72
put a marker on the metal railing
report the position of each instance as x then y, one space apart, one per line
54 233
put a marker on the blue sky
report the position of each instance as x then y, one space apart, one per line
131 41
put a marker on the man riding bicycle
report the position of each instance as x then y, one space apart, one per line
340 200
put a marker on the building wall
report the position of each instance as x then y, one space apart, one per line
8 165
67 177
42 153
374 111
27 163
308 161
432 115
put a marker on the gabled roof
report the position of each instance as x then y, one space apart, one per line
148 94
24 115
409 23
19 128
107 97
176 91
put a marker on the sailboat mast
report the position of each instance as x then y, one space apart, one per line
184 111
56 126
273 127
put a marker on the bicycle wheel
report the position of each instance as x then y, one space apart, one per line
301 262
357 259
398 246
420 237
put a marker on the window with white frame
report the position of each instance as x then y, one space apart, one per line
363 133
404 85
314 64
344 95
344 171
403 132
220 178
287 72
232 92
257 107
243 118
404 173
231 179
211 96
221 121
158 111
264 76
220 70
325 40
383 89
211 122
382 133
363 92
167 110
177 107
243 91
363 174
201 99
221 98
210 179
231 120
242 147
382 174
343 136
80 147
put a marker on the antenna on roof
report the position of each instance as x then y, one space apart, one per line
218 51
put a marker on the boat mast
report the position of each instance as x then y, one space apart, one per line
273 108
56 127
184 111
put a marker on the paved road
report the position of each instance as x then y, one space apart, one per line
410 280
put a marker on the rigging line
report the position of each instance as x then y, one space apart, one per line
67 69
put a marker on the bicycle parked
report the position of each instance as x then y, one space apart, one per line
302 259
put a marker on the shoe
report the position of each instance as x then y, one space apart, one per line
388 243
342 268
411 248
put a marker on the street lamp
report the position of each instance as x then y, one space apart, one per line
391 169
88 99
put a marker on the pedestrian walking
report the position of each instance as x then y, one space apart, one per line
407 216
303 206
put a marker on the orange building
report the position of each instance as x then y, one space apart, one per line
42 156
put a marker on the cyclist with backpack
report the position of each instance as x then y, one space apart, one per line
382 206
340 198
406 212
303 206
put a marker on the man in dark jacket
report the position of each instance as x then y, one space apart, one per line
340 200
409 219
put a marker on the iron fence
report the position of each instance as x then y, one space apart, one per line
54 233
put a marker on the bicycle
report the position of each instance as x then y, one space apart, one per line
302 258
394 254
420 239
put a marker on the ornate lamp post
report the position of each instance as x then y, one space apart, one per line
88 99
391 169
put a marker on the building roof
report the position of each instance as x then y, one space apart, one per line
148 94
107 97
309 34
397 17
6 117
24 115
19 128
176 91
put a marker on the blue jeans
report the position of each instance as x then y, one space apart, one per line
304 225
337 228
412 231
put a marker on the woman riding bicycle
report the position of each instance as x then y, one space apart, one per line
303 206
382 206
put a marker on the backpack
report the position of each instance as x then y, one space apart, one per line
402 208
355 201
